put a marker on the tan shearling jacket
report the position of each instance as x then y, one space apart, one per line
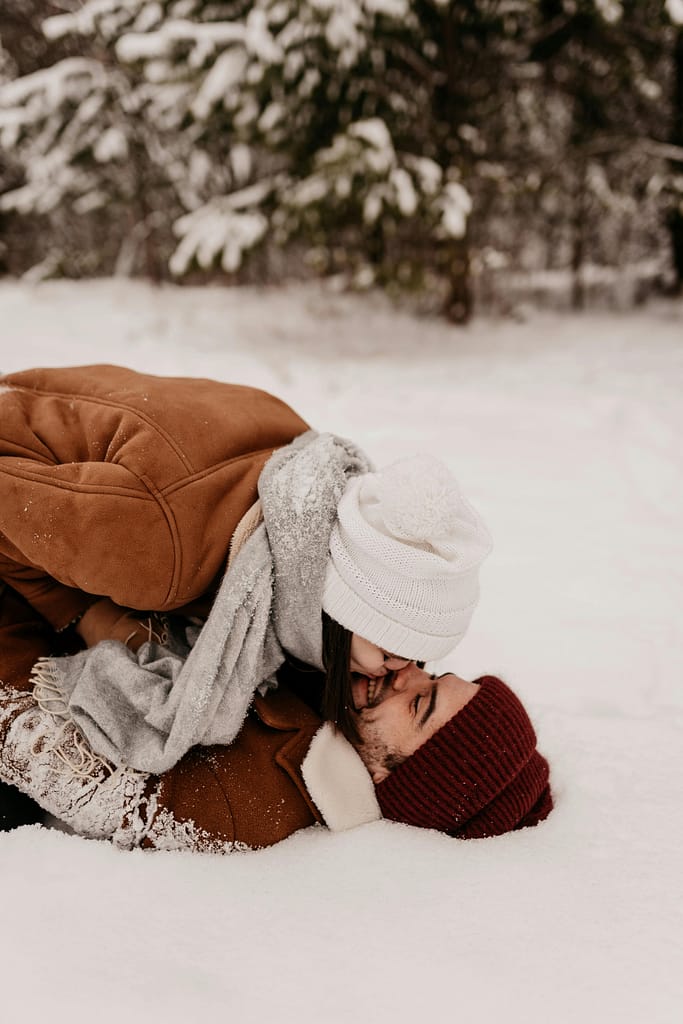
125 485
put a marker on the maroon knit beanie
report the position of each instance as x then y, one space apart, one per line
479 775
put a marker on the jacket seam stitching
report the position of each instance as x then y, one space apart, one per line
215 468
234 838
98 400
28 453
69 485
174 533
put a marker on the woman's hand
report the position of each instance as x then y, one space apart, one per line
105 620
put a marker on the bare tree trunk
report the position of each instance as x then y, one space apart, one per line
458 304
578 227
676 213
459 300
143 215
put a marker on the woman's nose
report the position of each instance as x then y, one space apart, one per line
394 664
403 675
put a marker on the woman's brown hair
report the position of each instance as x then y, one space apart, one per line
337 698
337 702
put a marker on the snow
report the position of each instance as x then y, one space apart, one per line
406 196
565 433
271 116
427 171
675 11
390 8
111 145
611 10
240 162
90 16
259 40
218 227
308 191
456 206
207 38
221 83
372 204
69 79
374 132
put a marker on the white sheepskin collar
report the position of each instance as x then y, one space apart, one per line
338 781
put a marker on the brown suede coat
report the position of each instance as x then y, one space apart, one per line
125 485
249 793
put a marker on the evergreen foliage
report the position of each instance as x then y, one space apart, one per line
404 142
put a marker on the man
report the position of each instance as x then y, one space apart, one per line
441 753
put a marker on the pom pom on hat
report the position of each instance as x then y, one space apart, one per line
405 553
420 500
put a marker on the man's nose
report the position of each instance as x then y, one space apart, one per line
409 675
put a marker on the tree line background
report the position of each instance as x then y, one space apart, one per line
456 151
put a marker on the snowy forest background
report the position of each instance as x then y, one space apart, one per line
464 154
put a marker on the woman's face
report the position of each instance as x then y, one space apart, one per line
369 665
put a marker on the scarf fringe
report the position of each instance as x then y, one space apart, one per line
69 745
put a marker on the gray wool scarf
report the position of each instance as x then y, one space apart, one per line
145 710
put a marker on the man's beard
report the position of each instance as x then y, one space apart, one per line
376 754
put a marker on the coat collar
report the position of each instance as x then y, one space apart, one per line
324 765
338 781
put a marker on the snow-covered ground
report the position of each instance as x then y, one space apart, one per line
566 433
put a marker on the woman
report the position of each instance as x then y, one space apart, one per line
124 494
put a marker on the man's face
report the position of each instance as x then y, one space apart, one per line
400 711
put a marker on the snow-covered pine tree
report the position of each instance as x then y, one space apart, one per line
602 105
77 129
674 214
24 50
380 138
7 70
309 108
266 123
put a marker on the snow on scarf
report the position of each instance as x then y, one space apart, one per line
146 710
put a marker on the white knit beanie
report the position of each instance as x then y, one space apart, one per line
405 552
